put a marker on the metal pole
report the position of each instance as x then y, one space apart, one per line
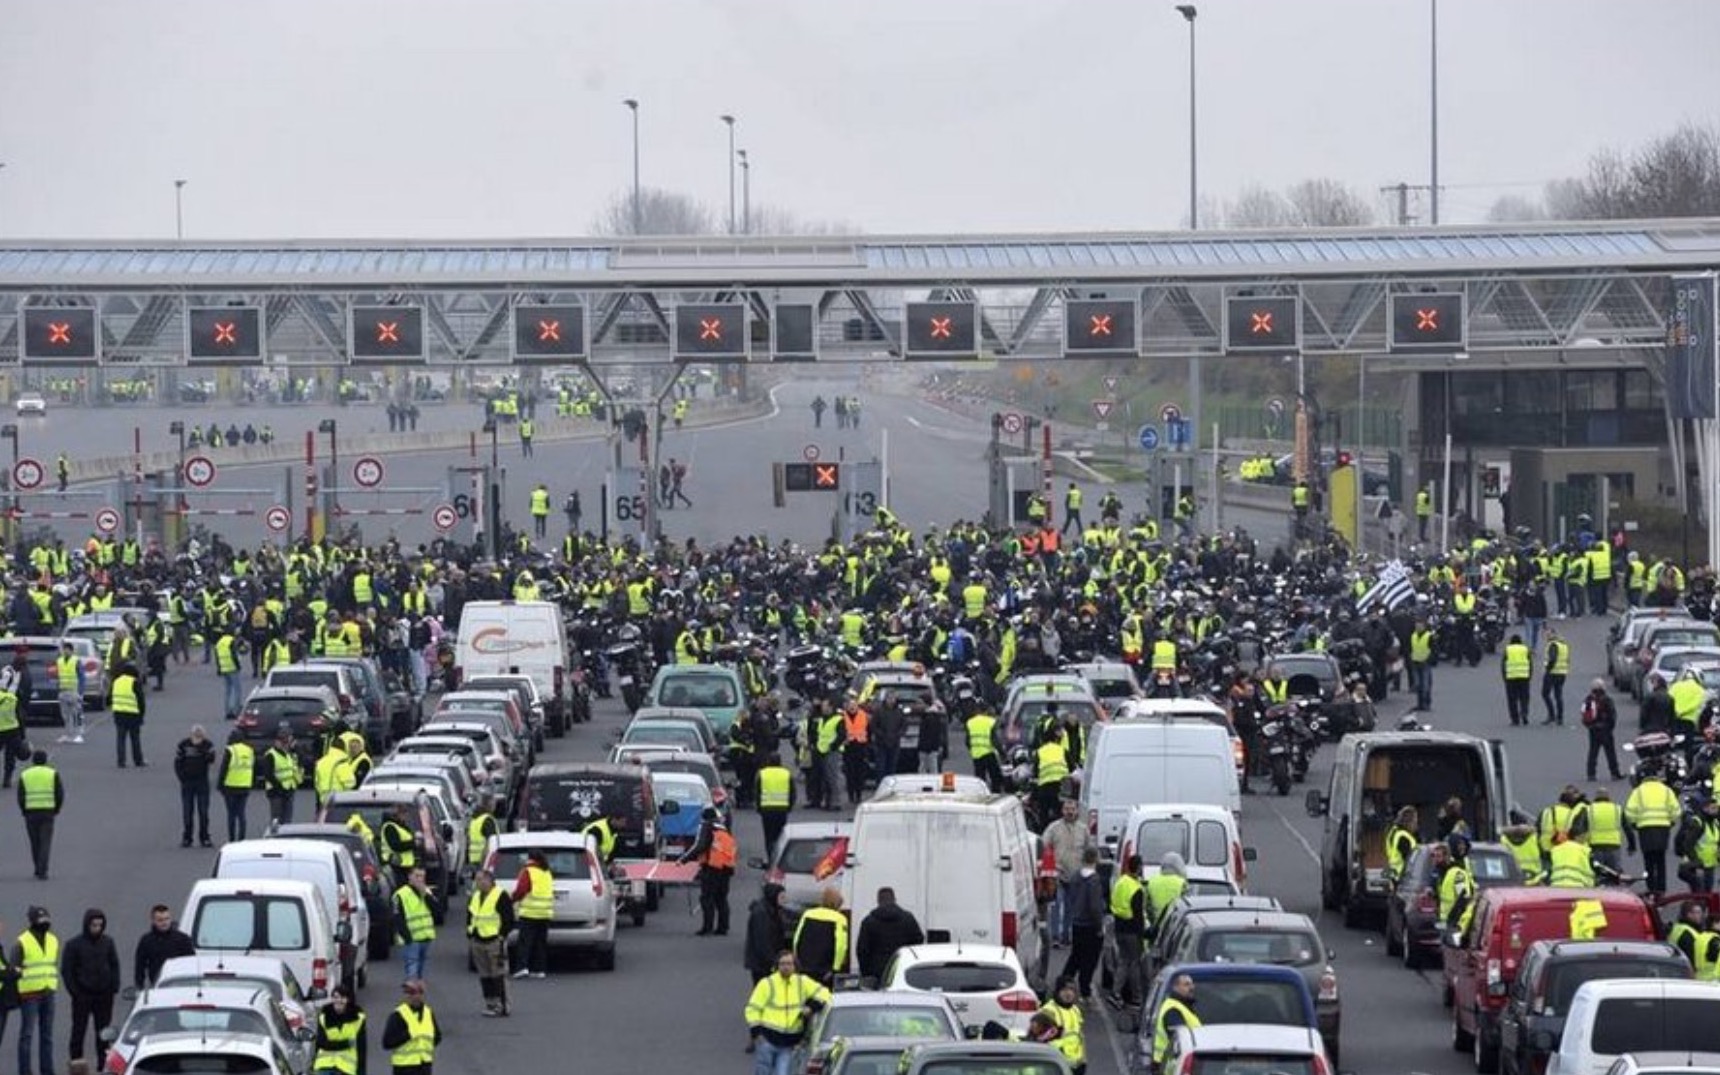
1433 110
633 107
729 121
1445 501
179 209
1193 156
746 192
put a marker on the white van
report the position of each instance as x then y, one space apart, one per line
1611 1017
962 863
1161 759
325 866
1205 836
282 919
524 638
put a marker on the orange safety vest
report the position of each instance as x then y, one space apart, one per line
1030 543
721 854
854 726
1049 539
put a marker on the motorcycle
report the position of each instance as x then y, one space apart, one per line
1659 755
631 662
1277 737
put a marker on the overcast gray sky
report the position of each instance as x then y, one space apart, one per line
503 118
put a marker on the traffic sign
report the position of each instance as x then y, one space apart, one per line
1149 437
810 453
1011 422
107 520
1111 383
28 473
1102 408
1262 323
200 470
367 471
1095 327
278 519
935 330
444 517
385 333
215 334
1169 413
1428 322
59 334
549 334
1275 405
1178 432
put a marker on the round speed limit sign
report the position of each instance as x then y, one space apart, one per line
28 473
368 471
200 470
278 519
444 517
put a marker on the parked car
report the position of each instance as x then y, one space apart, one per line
377 886
390 711
984 983
201 1050
204 1010
41 654
1252 995
874 1015
374 804
33 404
1412 915
585 910
243 972
809 857
310 713
1239 1048
1533 1020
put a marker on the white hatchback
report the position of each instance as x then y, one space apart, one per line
584 914
31 403
984 983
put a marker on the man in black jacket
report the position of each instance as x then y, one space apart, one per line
89 965
767 932
192 762
163 942
888 929
1086 911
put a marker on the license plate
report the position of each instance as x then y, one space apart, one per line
627 681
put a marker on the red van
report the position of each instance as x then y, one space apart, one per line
1479 970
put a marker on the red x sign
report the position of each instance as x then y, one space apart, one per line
1427 320
1099 325
941 328
59 332
388 332
824 475
1261 323
226 332
710 328
549 331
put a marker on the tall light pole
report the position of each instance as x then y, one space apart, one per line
1188 13
729 121
1433 110
179 208
331 427
746 191
633 107
2 166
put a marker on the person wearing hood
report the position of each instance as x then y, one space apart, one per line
37 957
889 928
1164 889
90 966
767 933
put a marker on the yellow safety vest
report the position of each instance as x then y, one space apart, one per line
286 767
1396 856
780 1004
1164 655
605 834
1517 661
125 696
420 1047
241 761
484 913
1527 853
1570 866
476 838
1651 806
404 858
539 904
979 729
1588 919
1558 658
540 501
67 669
225 659
40 970
420 923
1161 1033
1123 897
775 788
342 1052
1606 824
1053 763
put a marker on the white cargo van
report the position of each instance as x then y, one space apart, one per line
282 919
525 638
1611 1018
1205 836
326 866
1160 759
962 863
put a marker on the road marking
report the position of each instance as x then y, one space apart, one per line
915 422
1111 1033
1303 840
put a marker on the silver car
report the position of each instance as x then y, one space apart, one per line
584 915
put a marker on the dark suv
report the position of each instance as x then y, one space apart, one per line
1533 1019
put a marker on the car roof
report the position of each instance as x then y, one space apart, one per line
1202 904
690 714
238 964
958 953
297 690
1264 919
1566 948
559 838
221 996
696 669
377 794
587 768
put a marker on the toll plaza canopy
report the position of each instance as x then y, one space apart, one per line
1413 292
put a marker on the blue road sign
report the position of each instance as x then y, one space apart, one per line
1178 432
1149 438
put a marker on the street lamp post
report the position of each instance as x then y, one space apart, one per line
1433 111
329 426
746 191
633 107
179 208
10 432
729 121
1188 13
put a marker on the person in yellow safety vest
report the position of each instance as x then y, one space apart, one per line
1072 509
282 776
1130 910
974 599
1685 933
236 777
1553 678
1423 511
1603 823
528 429
1636 579
540 511
1688 696
478 832
331 773
777 1012
1588 919
687 644
1519 838
1517 667
490 917
820 941
534 897
276 652
37 957
680 411
1164 655
1650 813
1042 1029
1064 1010
412 1034
127 703
1050 769
399 845
1456 885
1165 888
1300 499
363 593
1558 817
1177 1009
604 830
1600 577
982 749
1568 866
1576 582
854 629
414 922
1402 840
342 1044
1698 844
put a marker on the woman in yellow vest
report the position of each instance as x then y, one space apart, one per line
341 1041
534 898
412 1033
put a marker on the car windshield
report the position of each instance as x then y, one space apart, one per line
698 690
233 923
296 711
1029 712
1694 635
686 791
222 978
1563 979
1252 1064
193 1017
888 1021
565 863
656 731
1112 688
1656 1024
1290 948
959 977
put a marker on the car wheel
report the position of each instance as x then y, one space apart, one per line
1461 1040
1486 1056
1352 914
606 958
638 916
1411 955
1393 948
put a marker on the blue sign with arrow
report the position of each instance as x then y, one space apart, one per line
1149 438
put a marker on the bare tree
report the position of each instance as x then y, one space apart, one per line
1516 208
1675 175
661 212
1312 203
774 220
1257 207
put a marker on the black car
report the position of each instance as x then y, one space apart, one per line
311 714
40 654
390 711
378 890
1412 912
1533 1020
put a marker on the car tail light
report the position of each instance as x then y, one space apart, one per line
115 1063
345 900
774 876
369 874
1320 1066
1328 984
1018 1000
558 674
1238 863
815 1065
1011 930
1187 1065
319 974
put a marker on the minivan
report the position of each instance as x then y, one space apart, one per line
1636 1015
1205 836
329 868
1154 760
279 918
1481 968
1375 774
964 863
713 689
518 638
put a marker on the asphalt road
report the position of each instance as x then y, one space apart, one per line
935 464
675 998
